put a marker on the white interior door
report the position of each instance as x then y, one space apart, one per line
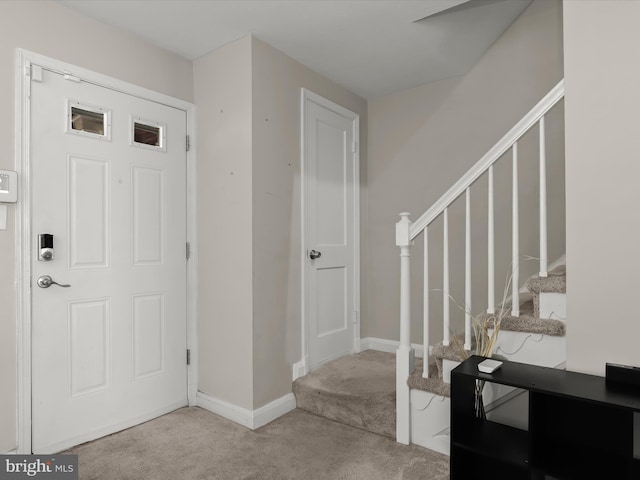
331 171
108 176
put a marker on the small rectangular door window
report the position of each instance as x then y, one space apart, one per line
88 120
148 134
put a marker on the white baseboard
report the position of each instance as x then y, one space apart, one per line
273 410
248 418
11 452
390 346
225 409
300 369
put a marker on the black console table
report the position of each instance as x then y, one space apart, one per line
579 427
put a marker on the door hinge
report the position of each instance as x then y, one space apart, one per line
188 357
188 143
354 147
188 250
355 317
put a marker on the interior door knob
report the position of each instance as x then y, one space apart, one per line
45 281
313 254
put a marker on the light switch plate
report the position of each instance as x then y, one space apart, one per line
8 186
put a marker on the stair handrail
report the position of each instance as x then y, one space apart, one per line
488 159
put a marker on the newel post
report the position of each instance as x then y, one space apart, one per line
404 354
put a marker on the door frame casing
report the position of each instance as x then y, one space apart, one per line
302 367
23 241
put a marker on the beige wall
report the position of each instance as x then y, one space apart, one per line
277 80
248 99
603 232
422 140
49 29
225 297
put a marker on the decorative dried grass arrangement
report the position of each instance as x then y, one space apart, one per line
486 328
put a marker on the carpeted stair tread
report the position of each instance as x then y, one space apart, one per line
453 352
449 352
433 384
357 390
531 324
554 283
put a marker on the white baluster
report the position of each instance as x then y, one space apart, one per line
491 280
543 201
515 258
425 296
404 354
467 274
445 280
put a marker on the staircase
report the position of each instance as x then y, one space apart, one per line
359 390
421 418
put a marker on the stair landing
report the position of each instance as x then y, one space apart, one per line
357 390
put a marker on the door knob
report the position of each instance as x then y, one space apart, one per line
45 281
313 254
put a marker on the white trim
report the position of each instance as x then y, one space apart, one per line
23 248
248 418
530 119
324 102
390 346
304 347
11 452
104 80
227 410
308 95
356 235
24 60
192 263
300 369
273 410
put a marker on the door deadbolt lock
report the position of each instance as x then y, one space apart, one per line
313 254
45 247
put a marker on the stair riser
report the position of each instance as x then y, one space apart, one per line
553 305
346 410
447 366
532 348
429 416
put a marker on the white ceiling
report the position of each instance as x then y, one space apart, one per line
371 47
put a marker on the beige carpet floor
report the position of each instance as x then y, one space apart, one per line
192 443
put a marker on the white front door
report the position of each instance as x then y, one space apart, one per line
108 176
331 202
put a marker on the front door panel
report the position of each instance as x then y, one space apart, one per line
109 350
